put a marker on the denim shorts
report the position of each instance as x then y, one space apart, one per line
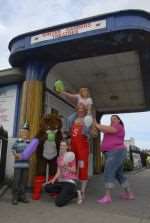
113 169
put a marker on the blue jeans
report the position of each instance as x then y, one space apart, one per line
113 169
70 120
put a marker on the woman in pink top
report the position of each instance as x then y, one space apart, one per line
65 180
115 154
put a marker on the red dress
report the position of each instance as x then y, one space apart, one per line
80 146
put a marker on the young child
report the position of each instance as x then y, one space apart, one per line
82 98
65 180
20 167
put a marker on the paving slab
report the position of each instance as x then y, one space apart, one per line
120 211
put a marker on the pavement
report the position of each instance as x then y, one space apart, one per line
119 211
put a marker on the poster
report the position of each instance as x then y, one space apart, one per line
8 99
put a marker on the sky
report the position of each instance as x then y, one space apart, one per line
21 16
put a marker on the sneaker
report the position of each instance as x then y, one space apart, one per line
127 196
14 201
23 200
79 201
79 197
104 200
131 196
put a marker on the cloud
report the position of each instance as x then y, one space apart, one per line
27 16
100 7
143 144
2 29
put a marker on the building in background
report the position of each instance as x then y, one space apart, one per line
129 142
134 153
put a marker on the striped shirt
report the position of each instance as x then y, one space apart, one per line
19 146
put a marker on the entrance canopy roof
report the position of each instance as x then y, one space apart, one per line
110 54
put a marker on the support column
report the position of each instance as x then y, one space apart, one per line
32 103
96 149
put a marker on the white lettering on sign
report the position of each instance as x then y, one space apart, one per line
101 24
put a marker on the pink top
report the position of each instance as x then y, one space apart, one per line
64 173
114 141
85 101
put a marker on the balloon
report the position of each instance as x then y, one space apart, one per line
88 120
68 157
31 148
59 86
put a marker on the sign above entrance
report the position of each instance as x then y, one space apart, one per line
69 31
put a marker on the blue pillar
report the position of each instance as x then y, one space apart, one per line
36 70
32 102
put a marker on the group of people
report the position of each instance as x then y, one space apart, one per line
71 178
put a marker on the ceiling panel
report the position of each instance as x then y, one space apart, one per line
114 80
